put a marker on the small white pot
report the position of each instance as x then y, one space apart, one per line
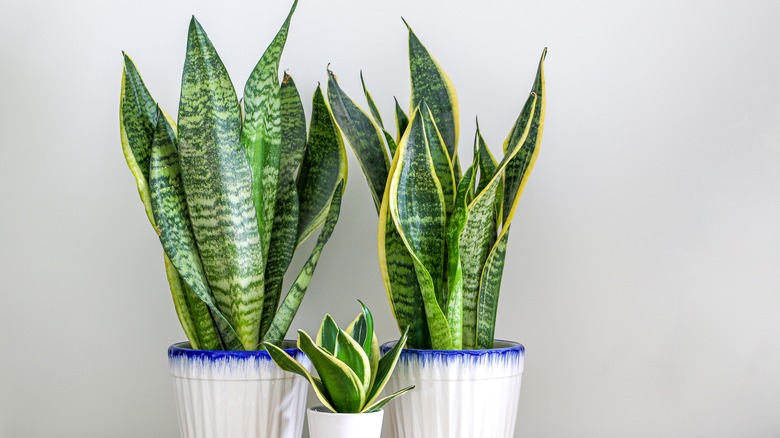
230 394
325 424
458 394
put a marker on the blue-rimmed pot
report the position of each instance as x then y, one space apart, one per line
458 393
237 393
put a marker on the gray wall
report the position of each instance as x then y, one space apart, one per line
643 266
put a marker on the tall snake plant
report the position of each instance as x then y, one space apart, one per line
442 232
232 190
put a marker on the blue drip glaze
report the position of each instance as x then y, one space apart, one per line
507 350
183 350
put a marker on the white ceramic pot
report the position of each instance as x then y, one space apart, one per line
232 394
458 394
325 424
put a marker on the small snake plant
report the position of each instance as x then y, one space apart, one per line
442 232
351 373
232 190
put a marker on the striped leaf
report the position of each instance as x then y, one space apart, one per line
363 135
526 136
342 385
440 157
284 235
454 268
359 329
397 268
261 134
418 212
175 231
218 184
137 124
379 404
487 162
289 307
324 166
431 84
401 121
371 105
287 363
476 240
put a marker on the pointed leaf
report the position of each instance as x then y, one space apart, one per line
363 135
137 123
352 354
489 287
284 235
292 300
398 272
261 133
476 241
342 384
287 363
324 166
385 370
431 84
401 121
418 212
440 157
326 336
379 404
371 105
218 184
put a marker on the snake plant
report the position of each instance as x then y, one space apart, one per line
351 373
232 190
442 231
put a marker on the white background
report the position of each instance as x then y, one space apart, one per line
642 272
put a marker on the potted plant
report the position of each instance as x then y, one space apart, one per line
442 241
351 376
232 190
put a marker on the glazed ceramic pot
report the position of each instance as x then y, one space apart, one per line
229 394
325 424
458 394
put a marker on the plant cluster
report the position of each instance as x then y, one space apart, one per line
351 373
442 232
233 189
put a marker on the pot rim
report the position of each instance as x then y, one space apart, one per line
322 410
506 347
180 349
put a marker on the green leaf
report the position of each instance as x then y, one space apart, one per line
292 300
489 287
368 339
398 272
385 370
431 84
137 124
440 157
287 363
261 134
528 141
487 162
352 354
284 235
477 240
379 404
371 105
418 212
342 384
169 206
364 137
324 166
326 336
218 184
401 121
525 138
455 227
